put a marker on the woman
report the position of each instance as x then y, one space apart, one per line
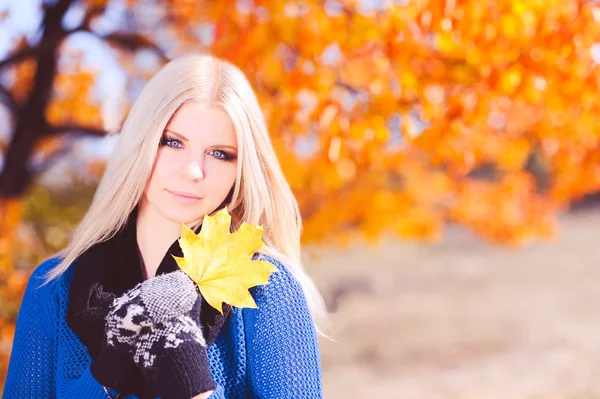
112 316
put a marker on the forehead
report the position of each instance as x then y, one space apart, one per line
198 121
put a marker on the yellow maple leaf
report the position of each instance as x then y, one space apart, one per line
221 262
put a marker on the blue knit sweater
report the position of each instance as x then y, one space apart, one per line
269 352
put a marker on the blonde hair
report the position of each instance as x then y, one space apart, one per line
261 193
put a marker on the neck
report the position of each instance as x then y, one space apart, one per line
155 235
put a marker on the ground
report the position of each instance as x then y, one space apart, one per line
464 319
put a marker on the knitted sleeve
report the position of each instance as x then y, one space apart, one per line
34 357
31 365
282 348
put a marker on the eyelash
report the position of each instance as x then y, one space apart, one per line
166 140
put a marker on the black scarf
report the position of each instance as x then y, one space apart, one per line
108 270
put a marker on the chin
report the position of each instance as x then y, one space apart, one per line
182 214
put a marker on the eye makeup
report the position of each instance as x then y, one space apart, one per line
218 153
171 142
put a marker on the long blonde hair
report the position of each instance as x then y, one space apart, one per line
261 193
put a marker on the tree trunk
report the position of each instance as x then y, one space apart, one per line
31 122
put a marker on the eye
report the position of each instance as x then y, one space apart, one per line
220 154
173 143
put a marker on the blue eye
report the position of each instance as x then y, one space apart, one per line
222 155
173 143
219 154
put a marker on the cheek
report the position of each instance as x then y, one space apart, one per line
161 172
220 177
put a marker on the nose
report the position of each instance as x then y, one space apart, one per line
194 171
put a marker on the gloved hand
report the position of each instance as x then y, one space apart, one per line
112 365
166 326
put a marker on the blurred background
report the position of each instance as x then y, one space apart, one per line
445 155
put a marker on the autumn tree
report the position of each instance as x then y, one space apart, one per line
393 119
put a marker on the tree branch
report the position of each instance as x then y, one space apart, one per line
72 128
8 98
127 41
133 42
85 24
51 159
20 55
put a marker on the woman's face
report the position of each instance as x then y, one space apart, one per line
196 164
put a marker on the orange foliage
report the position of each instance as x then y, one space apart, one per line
24 73
71 103
10 217
473 85
12 282
372 105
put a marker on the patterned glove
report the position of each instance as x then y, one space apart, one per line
112 365
161 323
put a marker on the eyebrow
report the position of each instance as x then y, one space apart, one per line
184 139
179 135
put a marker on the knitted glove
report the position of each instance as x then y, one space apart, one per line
160 321
112 365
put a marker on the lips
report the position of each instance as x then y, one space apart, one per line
184 194
184 197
